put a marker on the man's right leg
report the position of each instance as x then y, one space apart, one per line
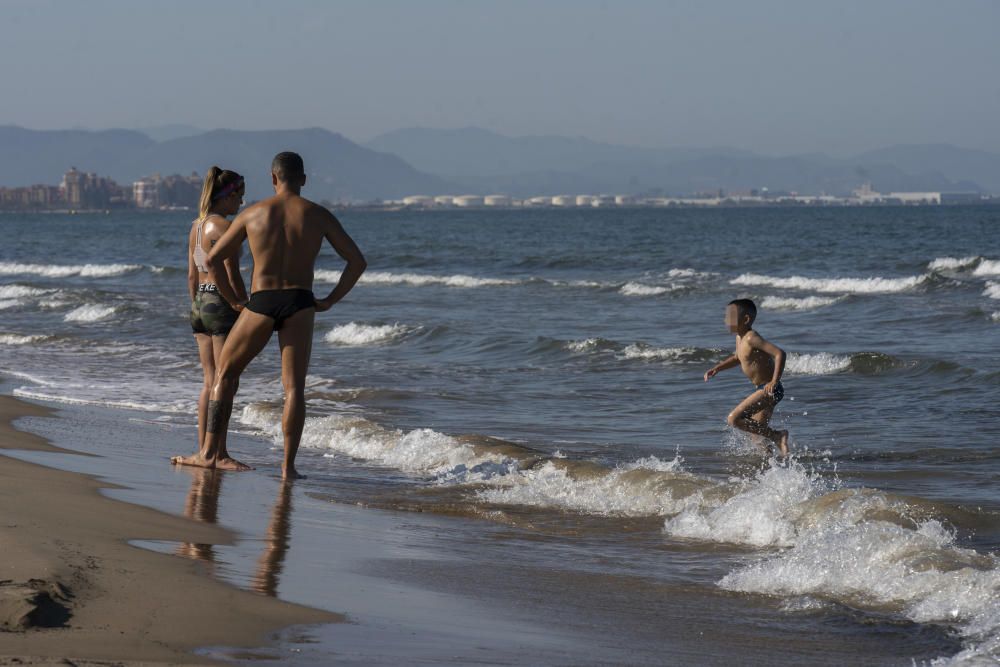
244 342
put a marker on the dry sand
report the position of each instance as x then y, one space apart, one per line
71 587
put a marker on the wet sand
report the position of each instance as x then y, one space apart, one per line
72 587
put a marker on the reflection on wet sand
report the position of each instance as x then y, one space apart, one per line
202 504
272 558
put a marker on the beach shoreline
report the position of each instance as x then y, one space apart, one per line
73 587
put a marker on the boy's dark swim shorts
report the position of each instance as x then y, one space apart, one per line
779 392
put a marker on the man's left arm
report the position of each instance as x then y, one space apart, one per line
344 246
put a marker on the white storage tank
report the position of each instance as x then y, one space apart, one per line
422 201
584 200
538 201
624 200
564 200
497 200
468 201
444 200
603 200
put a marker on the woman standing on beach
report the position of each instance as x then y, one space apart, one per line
215 301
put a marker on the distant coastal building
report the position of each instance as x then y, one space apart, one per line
146 193
175 191
444 200
564 200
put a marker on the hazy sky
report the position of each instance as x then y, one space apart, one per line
774 76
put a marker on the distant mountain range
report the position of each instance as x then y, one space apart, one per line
489 162
338 168
474 160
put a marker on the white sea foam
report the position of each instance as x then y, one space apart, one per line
822 363
872 285
19 291
62 271
355 333
18 339
583 345
415 279
887 567
176 407
421 451
987 267
952 263
638 289
89 313
992 290
995 316
791 303
636 351
10 303
857 547
643 488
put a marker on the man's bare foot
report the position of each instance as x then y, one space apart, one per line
783 443
231 464
290 473
196 460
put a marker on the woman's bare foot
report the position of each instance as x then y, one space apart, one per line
232 464
196 460
290 473
783 443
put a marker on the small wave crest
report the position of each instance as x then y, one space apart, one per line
20 291
822 363
647 487
639 289
355 333
992 290
643 351
19 339
980 266
874 285
791 303
90 312
416 279
62 271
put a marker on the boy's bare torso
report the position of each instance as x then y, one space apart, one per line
756 364
285 233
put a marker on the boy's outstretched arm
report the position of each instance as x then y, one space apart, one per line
728 362
757 341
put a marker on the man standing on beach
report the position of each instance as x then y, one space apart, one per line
285 233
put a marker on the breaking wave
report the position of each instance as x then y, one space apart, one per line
874 285
415 279
89 313
354 333
62 271
638 289
791 303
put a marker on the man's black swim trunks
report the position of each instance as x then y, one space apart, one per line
280 304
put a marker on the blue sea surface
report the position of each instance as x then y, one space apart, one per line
541 371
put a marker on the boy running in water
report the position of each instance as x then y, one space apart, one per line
762 362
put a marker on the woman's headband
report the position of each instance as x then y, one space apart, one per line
229 189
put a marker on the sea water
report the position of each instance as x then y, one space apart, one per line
541 371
